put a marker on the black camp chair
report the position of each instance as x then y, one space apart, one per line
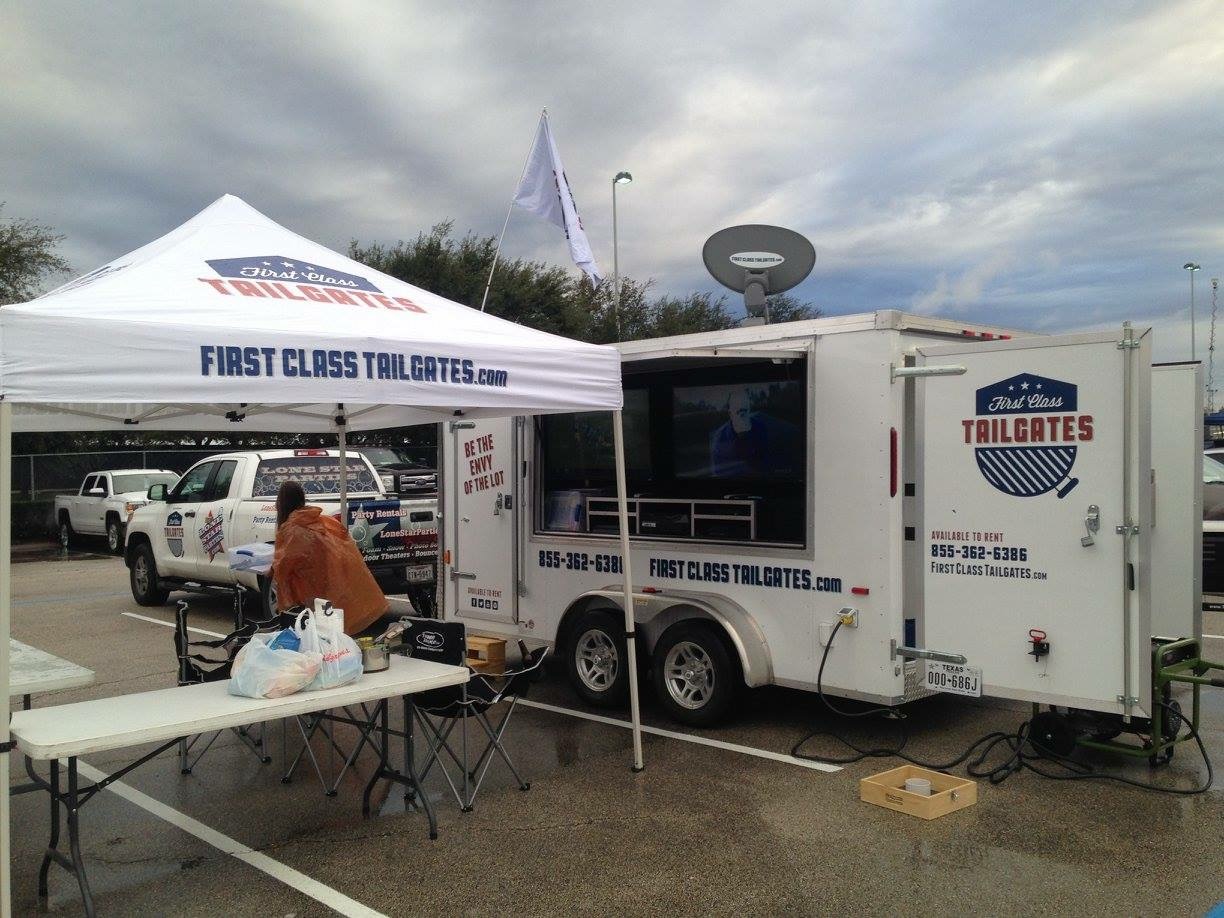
438 712
194 668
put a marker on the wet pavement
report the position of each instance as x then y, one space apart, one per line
702 830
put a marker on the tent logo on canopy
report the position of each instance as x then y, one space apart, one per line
282 268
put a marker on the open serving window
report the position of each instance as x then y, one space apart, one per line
714 453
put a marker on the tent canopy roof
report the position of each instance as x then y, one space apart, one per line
233 322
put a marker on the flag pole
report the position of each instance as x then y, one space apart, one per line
509 210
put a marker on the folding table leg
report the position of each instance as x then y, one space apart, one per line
53 842
74 838
410 768
382 770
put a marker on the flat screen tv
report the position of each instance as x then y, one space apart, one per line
750 431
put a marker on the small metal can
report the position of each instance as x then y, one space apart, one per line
374 657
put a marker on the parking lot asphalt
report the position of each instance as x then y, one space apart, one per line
701 830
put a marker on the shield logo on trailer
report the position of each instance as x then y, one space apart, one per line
1024 435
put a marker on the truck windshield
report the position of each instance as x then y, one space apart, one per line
319 476
126 484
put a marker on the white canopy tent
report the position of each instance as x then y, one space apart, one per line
232 322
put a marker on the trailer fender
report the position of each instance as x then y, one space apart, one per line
654 613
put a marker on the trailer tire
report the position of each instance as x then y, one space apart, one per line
596 661
146 588
693 674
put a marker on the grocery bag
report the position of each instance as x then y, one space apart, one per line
321 631
261 671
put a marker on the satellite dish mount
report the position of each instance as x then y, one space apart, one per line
758 261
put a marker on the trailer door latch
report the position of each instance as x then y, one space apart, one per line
1092 523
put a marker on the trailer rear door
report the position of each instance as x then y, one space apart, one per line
483 528
1034 483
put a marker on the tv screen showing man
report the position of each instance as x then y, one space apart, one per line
743 431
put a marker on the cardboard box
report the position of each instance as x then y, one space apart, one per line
948 792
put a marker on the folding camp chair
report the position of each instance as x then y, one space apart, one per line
195 667
440 711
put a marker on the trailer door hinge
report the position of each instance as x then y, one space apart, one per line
1128 343
1128 700
1127 528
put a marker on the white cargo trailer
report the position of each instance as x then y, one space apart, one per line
975 507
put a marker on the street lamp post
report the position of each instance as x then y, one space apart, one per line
1192 267
621 178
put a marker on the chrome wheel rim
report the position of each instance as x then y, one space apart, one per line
63 535
688 673
140 574
112 537
598 660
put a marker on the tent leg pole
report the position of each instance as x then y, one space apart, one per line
342 434
622 506
6 593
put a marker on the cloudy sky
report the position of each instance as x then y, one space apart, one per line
1042 165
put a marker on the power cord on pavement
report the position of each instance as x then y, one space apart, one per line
1022 751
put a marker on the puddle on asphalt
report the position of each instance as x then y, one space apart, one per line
52 552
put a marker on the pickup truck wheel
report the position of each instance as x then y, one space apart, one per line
65 534
114 535
267 589
694 677
597 663
146 588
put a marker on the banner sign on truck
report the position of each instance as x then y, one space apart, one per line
386 533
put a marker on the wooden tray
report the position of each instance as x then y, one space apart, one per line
948 792
486 654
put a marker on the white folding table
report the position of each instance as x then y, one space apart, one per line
32 672
167 715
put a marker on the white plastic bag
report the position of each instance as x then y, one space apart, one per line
259 671
321 630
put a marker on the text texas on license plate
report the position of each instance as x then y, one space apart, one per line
954 678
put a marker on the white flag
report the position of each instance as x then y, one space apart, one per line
544 191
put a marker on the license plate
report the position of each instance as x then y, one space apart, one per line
954 678
419 573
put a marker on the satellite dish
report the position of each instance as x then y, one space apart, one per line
758 260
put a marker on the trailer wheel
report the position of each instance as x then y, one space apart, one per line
146 588
693 674
596 662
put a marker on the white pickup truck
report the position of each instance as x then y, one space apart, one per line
179 540
104 503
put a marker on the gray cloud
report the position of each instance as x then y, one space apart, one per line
1044 165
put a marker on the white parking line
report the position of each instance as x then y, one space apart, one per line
611 721
158 621
687 737
337 901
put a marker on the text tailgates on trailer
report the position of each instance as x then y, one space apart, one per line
1025 434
